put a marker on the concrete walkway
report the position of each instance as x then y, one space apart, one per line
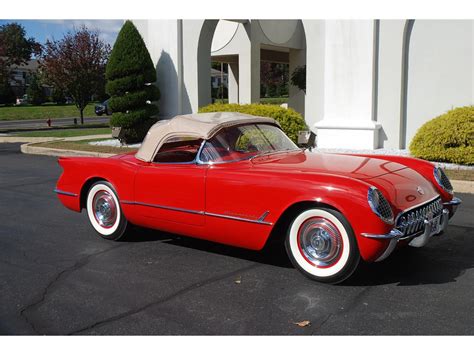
31 148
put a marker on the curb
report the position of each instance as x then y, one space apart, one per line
30 149
17 139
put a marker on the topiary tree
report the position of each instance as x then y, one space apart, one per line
447 138
35 91
130 73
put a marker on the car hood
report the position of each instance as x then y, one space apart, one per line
403 186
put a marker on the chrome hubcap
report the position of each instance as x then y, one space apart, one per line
320 242
105 209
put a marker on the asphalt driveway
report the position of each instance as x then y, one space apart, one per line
58 277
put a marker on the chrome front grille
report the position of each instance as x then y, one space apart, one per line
383 206
412 222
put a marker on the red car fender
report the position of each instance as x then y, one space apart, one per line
81 172
423 167
349 197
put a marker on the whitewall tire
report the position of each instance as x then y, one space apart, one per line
104 212
321 244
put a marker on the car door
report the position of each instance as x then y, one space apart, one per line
172 187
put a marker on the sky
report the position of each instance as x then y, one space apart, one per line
42 30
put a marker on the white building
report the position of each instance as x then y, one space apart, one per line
369 83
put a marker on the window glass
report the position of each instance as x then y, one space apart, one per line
244 142
178 150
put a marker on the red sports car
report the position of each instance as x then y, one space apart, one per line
239 180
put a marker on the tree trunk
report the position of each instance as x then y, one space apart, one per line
82 115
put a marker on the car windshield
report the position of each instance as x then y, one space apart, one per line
244 142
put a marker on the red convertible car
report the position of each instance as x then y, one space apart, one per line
239 180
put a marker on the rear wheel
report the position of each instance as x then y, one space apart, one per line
104 212
321 244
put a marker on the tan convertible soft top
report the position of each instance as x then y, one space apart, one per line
198 125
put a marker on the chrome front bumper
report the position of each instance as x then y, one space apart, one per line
432 228
455 202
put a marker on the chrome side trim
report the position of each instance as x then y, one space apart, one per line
61 192
454 202
258 221
394 233
202 213
263 216
162 207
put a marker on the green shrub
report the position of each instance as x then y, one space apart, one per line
291 121
129 73
7 96
447 138
274 100
35 92
58 96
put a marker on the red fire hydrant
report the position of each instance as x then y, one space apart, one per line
49 122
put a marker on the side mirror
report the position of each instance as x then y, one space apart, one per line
306 139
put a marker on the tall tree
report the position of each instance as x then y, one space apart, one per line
15 47
76 65
130 74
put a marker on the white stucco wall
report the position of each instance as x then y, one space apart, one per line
161 38
354 86
440 74
389 81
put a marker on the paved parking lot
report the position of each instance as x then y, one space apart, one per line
58 277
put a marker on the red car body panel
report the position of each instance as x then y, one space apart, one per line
239 203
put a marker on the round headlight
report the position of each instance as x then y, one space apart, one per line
379 205
442 180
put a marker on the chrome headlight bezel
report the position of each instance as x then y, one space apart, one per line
380 205
439 176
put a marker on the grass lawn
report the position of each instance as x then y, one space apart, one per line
30 112
84 146
467 175
62 133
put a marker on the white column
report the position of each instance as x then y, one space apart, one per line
249 67
233 82
348 86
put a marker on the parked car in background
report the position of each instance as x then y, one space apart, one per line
239 180
103 108
22 100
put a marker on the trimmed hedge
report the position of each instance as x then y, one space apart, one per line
447 138
129 73
291 121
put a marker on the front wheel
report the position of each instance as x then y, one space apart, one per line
321 244
104 212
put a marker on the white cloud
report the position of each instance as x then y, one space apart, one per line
108 29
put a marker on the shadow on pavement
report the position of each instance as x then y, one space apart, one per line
441 261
